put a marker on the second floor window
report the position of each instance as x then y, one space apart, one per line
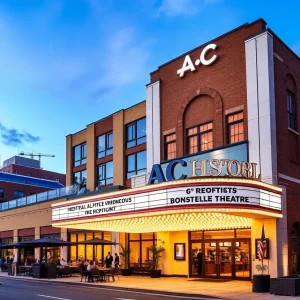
79 155
235 125
170 146
291 108
136 133
105 174
105 144
18 194
79 178
136 164
1 193
200 138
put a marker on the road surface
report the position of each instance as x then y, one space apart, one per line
15 289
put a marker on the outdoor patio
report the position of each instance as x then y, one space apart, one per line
239 290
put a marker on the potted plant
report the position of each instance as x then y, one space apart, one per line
261 282
125 255
155 257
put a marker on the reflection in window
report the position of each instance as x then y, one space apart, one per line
79 178
105 174
18 194
200 138
1 193
105 144
136 164
79 155
136 133
235 128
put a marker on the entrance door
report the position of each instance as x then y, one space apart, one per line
218 259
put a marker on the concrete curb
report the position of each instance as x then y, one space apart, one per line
137 290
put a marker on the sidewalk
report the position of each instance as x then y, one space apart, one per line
231 290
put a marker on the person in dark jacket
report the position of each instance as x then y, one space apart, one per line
108 260
199 258
117 260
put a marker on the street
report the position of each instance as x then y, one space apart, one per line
16 289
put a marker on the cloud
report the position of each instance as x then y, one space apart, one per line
173 8
12 137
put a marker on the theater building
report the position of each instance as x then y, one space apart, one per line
222 154
209 158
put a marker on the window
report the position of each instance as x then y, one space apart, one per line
105 174
136 164
200 138
79 155
18 194
105 144
29 174
57 179
136 133
170 146
235 128
80 178
1 193
291 108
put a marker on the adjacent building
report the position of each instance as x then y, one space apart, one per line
209 159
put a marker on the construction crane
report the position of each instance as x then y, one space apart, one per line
32 155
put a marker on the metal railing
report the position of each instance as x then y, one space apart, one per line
37 198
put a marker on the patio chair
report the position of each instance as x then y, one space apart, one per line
85 274
95 274
65 271
110 274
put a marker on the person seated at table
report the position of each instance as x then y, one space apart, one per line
63 262
89 268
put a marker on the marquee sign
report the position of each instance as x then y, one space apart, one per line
204 168
187 195
188 65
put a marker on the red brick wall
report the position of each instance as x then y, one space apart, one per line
37 173
287 76
9 189
214 88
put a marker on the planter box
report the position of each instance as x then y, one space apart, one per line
286 286
261 284
155 273
44 271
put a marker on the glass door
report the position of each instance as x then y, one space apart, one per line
196 259
211 262
225 258
242 258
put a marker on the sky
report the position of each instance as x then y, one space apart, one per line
67 63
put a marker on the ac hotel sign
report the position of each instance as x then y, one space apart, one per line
204 168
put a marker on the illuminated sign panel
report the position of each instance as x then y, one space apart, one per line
193 196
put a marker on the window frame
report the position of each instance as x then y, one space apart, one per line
136 170
166 143
105 172
1 193
228 125
106 144
198 135
291 95
135 138
81 171
17 191
82 159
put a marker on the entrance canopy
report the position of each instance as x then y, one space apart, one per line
191 204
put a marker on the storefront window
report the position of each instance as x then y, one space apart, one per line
6 254
26 254
139 244
89 252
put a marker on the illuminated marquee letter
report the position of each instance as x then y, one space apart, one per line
203 60
156 174
171 167
187 66
201 168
